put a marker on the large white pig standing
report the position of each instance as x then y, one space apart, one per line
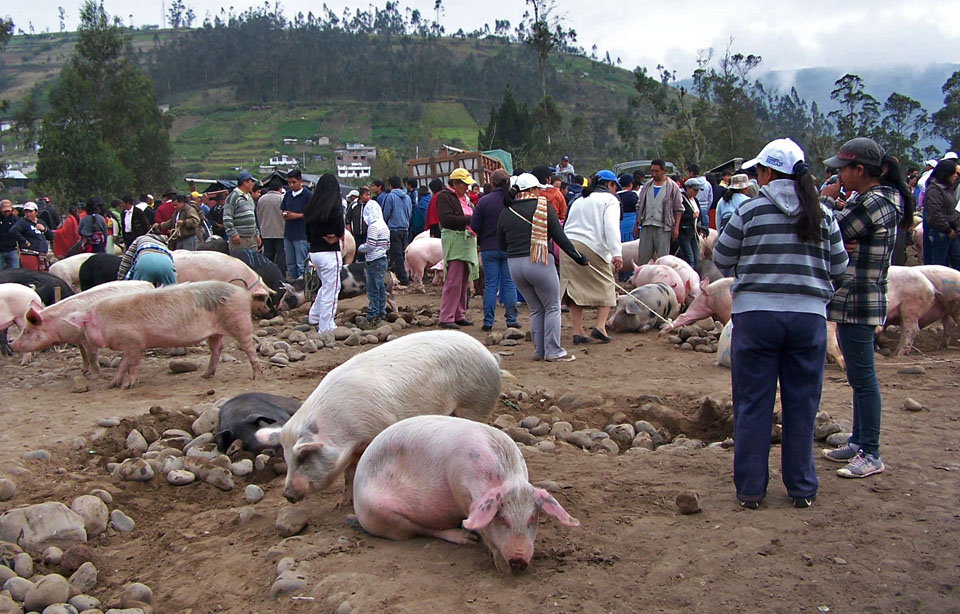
433 372
214 266
15 300
910 295
947 307
45 325
420 255
430 475
174 316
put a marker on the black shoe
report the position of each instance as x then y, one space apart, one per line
750 505
577 340
514 325
464 322
447 325
486 328
596 334
803 502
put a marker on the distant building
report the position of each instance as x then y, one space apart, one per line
289 141
283 160
15 181
323 140
355 160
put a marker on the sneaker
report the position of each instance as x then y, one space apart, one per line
861 466
842 454
749 505
803 502
567 358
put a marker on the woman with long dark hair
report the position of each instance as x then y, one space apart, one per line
941 221
323 217
784 249
869 224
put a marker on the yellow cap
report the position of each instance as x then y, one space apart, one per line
463 175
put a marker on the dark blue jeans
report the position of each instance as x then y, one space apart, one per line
375 272
856 343
689 250
936 247
497 280
10 260
768 347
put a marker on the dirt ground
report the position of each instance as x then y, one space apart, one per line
888 543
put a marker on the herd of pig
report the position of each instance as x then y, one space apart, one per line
409 442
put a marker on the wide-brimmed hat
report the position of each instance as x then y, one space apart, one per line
739 182
462 174
169 192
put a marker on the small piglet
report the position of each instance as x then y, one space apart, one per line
170 317
430 475
432 372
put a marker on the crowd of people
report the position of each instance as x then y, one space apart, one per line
801 251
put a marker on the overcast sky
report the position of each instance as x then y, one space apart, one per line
789 35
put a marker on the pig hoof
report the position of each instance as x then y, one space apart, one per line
457 536
207 375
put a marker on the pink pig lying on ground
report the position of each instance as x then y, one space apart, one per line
652 273
430 475
170 317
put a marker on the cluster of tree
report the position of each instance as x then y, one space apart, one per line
727 114
104 133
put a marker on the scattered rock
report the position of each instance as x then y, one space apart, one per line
17 587
505 421
53 588
821 431
838 439
135 470
688 502
94 513
137 591
75 557
529 422
108 422
8 489
206 422
23 565
253 493
52 556
181 477
541 429
579 439
40 455
310 346
545 446
912 370
200 440
279 360
182 366
85 578
344 608
37 527
84 602
80 384
642 440
220 477
9 606
912 405
136 441
561 429
520 435
292 520
623 434
296 356
242 467
352 340
286 583
121 522
607 445
509 342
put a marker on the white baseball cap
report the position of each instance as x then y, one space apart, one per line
525 181
780 155
930 163
950 155
30 206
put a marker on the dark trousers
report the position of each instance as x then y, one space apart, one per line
398 242
274 252
856 343
768 347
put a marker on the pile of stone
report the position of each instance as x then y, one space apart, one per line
700 337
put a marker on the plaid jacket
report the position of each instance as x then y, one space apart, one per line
870 220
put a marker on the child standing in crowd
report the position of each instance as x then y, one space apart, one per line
374 250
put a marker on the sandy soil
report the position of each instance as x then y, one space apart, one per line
889 543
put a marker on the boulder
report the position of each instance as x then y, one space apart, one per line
53 588
42 525
94 513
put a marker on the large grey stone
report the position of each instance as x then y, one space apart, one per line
85 578
94 513
42 525
53 588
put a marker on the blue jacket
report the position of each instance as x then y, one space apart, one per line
397 209
295 230
27 235
8 242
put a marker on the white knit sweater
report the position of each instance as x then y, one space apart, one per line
595 222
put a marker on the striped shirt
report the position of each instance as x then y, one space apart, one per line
377 243
145 243
240 215
774 270
871 220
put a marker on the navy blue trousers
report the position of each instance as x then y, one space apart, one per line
770 347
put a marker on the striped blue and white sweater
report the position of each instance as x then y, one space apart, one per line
773 269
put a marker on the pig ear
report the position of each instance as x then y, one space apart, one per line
268 437
636 267
549 505
306 445
33 315
704 283
484 509
632 307
652 261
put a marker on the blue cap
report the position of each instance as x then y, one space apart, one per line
565 158
606 175
243 176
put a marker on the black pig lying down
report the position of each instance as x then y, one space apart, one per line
244 414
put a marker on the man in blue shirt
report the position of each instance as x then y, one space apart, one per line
295 245
397 209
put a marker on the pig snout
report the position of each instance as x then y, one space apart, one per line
517 550
517 565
